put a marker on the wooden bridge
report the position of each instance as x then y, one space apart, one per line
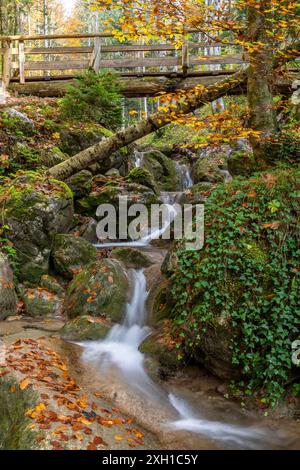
44 64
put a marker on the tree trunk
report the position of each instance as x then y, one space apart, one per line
105 148
260 84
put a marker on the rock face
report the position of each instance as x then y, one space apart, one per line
85 328
70 254
40 302
99 290
163 170
8 298
35 209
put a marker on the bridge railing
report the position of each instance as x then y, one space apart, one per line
52 56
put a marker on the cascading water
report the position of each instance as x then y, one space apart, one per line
121 346
120 349
185 175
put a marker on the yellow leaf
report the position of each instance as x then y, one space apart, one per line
118 438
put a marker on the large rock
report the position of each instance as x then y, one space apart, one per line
72 140
21 121
209 168
70 254
85 328
35 209
40 302
8 298
99 290
110 192
142 176
81 183
132 258
163 170
52 157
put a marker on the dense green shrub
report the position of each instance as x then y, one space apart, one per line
15 433
94 97
248 271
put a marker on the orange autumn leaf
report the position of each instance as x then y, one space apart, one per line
24 383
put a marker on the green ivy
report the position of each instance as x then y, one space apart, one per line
248 271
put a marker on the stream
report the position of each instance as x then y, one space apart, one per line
173 412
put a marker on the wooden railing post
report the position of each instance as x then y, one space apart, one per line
7 64
185 58
21 62
96 56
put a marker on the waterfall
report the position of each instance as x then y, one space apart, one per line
121 346
185 175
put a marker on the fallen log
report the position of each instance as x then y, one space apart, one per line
105 148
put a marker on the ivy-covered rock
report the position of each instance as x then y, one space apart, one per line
132 258
85 328
40 302
99 290
70 254
163 170
8 298
81 183
237 299
34 209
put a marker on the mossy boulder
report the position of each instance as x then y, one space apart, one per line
18 121
52 156
85 328
99 290
40 302
70 254
163 170
74 140
52 285
81 183
208 169
86 228
144 177
110 193
8 298
242 163
15 427
132 258
160 350
198 193
35 208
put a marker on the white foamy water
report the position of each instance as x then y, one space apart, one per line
185 175
121 346
243 436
